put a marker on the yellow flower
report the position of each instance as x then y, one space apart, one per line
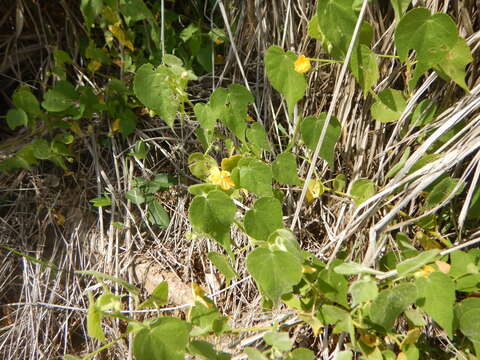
221 178
302 64
425 271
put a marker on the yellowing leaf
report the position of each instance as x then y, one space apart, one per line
412 336
443 266
59 218
369 340
314 190
118 62
200 296
229 163
119 34
302 64
94 65
116 125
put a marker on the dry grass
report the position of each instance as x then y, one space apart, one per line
43 311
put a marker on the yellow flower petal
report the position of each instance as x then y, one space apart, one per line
221 178
302 64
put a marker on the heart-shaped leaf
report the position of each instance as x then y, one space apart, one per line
275 272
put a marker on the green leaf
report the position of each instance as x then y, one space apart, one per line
278 340
202 189
311 129
301 354
463 306
363 290
165 340
205 116
159 182
462 263
257 136
467 314
64 138
153 89
253 175
200 164
264 218
339 182
337 19
140 150
206 351
136 196
468 283
398 166
135 10
60 98
222 264
343 355
101 276
231 107
389 106
281 73
25 100
431 36
355 269
16 118
285 240
275 272
71 357
284 169
203 317
101 201
254 354
94 319
363 65
207 120
412 264
315 32
440 192
415 316
109 302
424 113
399 7
424 160
362 190
453 66
474 208
340 318
41 149
391 303
213 214
436 295
90 10
158 297
157 215
128 121
470 323
332 285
